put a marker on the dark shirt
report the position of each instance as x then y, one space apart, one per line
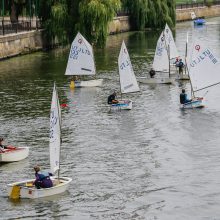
181 65
183 98
111 98
43 180
152 73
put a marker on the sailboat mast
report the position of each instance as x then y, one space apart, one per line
186 69
169 58
59 113
192 92
186 50
167 47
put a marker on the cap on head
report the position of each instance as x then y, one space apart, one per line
37 168
183 90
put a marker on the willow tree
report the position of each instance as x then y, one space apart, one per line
54 15
138 10
151 13
95 16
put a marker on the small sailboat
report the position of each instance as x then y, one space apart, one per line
13 154
197 21
128 82
203 67
81 63
161 64
26 189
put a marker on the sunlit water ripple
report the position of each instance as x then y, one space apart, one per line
153 162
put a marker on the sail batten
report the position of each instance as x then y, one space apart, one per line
128 80
81 58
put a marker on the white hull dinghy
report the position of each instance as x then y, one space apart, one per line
81 63
147 80
25 189
128 82
195 103
89 83
122 105
183 77
13 154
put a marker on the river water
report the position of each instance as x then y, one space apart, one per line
153 162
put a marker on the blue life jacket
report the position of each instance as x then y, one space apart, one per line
43 175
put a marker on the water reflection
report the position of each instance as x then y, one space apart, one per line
125 165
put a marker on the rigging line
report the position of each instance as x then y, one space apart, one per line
207 87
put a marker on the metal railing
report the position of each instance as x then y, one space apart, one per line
6 27
196 5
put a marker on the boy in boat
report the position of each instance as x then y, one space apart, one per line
112 98
183 97
152 73
42 179
180 65
2 147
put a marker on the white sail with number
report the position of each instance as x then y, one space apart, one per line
170 41
128 80
161 60
204 67
55 132
81 58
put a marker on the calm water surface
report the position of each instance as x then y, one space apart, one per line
153 162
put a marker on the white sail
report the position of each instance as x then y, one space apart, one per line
128 80
170 41
204 66
81 59
55 132
161 60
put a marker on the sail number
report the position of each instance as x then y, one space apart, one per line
160 48
75 51
202 56
53 122
124 64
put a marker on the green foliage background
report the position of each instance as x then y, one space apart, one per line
62 19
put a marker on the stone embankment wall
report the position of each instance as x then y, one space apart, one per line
119 24
184 14
20 43
27 42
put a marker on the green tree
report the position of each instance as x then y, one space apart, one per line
95 16
150 13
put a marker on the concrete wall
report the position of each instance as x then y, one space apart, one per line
119 24
20 43
26 42
184 14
